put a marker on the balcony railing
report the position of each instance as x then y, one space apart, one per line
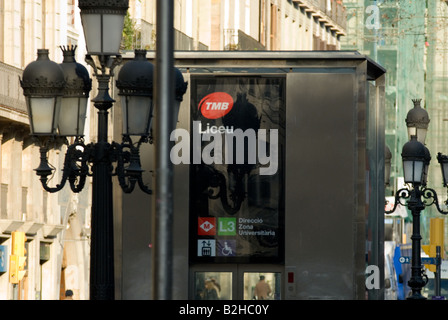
333 9
11 95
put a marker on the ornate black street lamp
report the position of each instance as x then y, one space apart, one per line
43 85
56 97
417 121
416 159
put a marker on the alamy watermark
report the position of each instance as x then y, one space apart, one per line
227 146
373 277
373 20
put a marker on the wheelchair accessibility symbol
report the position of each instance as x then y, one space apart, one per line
226 248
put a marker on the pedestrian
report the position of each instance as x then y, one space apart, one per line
68 295
217 285
211 291
262 289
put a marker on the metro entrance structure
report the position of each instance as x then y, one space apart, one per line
305 227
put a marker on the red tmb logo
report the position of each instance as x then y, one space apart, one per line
216 105
206 226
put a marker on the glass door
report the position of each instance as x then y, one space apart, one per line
262 286
236 282
213 285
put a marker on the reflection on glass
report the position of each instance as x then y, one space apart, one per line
262 286
237 179
213 286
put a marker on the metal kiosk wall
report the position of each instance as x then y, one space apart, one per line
279 174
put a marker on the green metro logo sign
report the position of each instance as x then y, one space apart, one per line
226 226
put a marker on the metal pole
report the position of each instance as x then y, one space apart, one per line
102 285
438 272
163 102
416 282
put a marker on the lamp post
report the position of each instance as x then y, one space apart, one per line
56 97
416 159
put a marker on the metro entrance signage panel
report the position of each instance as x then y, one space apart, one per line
236 172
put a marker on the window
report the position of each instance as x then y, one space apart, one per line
24 199
4 201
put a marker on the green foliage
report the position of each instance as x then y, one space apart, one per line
128 33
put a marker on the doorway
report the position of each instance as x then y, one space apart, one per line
236 282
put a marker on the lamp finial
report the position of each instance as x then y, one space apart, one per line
416 102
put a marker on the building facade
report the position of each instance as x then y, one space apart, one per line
56 225
246 24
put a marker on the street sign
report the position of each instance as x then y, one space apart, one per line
428 260
425 260
404 259
3 259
